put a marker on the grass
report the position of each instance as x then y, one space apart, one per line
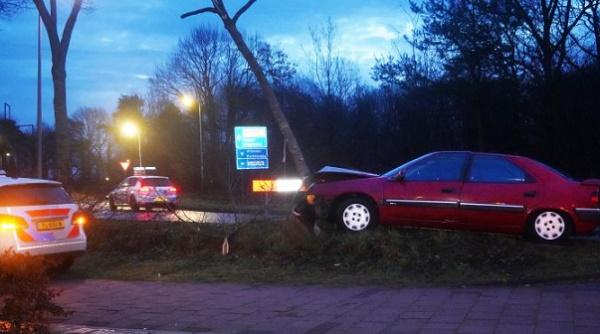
287 252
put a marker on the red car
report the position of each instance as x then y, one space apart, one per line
458 190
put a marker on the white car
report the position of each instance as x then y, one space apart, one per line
39 217
144 191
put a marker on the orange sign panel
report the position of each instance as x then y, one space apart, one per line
261 186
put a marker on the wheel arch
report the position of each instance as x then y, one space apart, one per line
345 196
565 213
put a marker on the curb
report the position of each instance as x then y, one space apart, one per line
81 329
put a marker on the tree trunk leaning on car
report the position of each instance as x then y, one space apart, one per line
230 25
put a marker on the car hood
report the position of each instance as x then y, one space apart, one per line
330 173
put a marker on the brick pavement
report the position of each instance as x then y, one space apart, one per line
263 309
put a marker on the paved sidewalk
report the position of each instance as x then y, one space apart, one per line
254 309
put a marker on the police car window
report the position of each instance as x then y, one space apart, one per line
33 194
156 182
494 169
132 181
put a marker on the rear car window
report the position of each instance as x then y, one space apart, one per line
33 194
156 182
494 169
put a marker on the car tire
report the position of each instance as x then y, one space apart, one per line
133 204
111 204
549 226
356 215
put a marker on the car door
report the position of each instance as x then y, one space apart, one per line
428 192
120 191
496 194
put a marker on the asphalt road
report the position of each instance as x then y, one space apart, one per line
270 309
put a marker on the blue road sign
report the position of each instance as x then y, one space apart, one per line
252 153
252 164
251 147
251 137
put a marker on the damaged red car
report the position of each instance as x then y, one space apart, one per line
457 190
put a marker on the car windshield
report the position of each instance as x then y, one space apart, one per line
34 194
397 170
156 182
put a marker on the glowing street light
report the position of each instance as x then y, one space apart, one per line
189 101
130 129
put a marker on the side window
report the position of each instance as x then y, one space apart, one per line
124 183
440 167
132 181
494 169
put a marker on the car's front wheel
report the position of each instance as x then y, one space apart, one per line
550 226
356 214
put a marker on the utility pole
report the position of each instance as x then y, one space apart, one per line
6 111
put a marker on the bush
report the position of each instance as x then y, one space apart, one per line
25 296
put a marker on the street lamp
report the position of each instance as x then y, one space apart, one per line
129 129
189 102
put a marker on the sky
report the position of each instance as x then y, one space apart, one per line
118 44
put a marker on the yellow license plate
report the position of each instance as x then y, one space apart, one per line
50 225
159 199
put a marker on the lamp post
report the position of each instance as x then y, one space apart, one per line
129 130
189 101
39 98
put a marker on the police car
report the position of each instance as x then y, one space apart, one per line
39 217
144 191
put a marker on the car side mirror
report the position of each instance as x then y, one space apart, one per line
400 176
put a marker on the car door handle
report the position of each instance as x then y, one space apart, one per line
448 190
530 193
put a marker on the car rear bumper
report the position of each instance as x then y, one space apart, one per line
46 248
154 200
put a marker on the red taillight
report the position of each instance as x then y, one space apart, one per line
8 222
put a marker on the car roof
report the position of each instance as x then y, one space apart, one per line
13 181
483 153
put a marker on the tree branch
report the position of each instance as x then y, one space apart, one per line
243 10
69 25
53 11
48 23
200 11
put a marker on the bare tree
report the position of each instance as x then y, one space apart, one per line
591 23
549 24
93 123
59 46
9 8
90 137
547 28
334 75
219 9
